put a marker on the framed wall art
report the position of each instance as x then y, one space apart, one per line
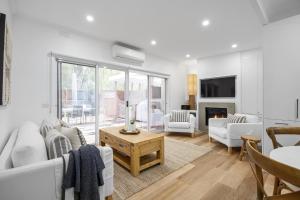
5 62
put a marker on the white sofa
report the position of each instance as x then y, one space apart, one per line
230 133
180 127
43 179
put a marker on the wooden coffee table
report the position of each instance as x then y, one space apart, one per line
129 150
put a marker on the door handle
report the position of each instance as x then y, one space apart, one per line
297 108
281 123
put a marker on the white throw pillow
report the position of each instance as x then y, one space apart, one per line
73 136
252 119
30 146
5 157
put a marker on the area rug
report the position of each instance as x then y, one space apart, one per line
177 155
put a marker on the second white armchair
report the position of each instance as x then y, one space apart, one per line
180 121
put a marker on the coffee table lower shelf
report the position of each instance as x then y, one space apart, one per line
145 161
135 153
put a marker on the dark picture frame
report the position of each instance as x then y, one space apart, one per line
5 62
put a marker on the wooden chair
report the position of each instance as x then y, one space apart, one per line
282 171
272 132
245 138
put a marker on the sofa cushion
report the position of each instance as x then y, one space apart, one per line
236 118
63 128
45 128
249 118
30 146
219 131
57 144
74 135
5 157
49 124
252 119
179 125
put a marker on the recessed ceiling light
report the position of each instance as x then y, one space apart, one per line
89 18
153 42
187 55
205 22
234 46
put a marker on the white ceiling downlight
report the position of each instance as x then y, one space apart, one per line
234 46
153 42
205 22
187 55
89 18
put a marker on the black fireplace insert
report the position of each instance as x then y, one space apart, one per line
214 113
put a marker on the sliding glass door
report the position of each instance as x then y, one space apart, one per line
138 97
90 96
77 98
111 97
147 94
157 103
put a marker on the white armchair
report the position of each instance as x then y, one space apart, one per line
230 134
181 126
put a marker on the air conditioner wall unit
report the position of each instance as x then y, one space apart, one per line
128 55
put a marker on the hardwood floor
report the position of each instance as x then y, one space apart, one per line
216 175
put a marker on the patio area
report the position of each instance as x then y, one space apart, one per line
88 129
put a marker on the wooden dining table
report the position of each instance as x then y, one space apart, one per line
289 155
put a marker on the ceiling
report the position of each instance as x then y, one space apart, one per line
174 24
280 9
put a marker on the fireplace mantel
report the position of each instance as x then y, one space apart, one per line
202 111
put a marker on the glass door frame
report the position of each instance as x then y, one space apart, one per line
59 89
148 91
126 93
117 68
97 66
59 81
150 77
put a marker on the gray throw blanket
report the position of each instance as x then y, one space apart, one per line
84 173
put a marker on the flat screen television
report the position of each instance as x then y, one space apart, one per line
218 87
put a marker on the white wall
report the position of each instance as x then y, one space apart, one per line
5 111
231 65
252 82
281 78
33 41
